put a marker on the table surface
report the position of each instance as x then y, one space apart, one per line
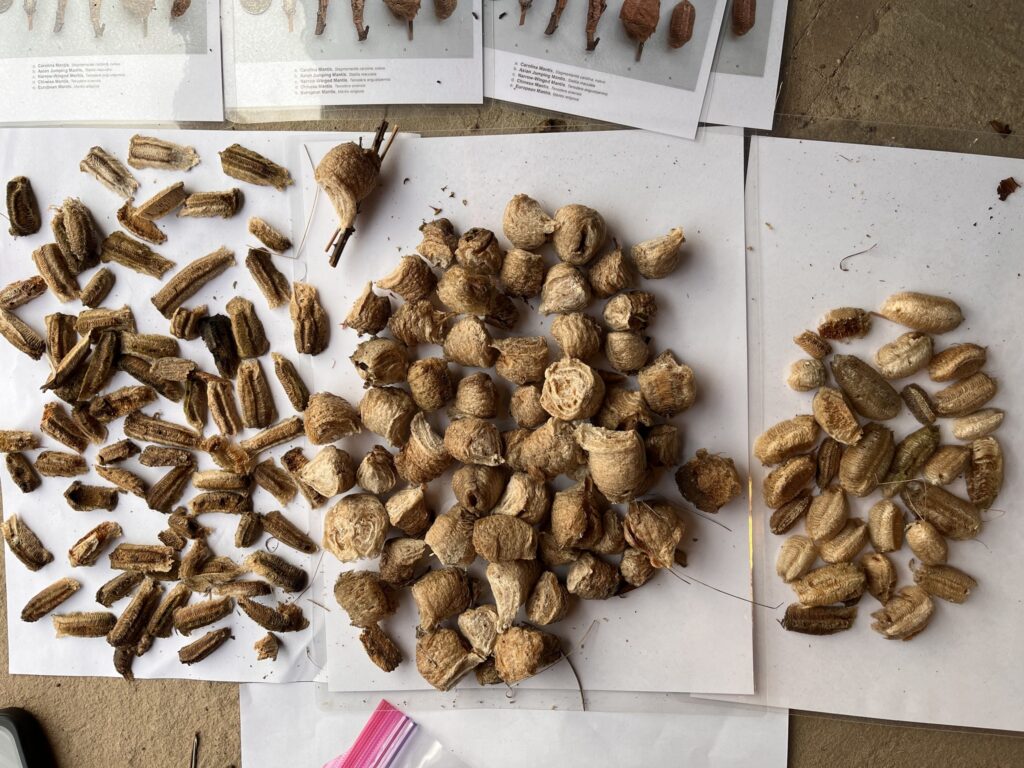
912 73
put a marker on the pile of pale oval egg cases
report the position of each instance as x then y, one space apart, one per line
859 458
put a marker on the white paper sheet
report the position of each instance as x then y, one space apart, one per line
281 725
932 222
745 74
169 72
636 642
271 72
33 648
662 92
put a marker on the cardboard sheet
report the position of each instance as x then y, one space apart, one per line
33 647
927 221
744 80
105 64
663 91
670 183
276 67
281 725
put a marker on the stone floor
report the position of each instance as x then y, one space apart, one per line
911 73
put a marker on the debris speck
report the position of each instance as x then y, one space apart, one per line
842 262
1003 129
551 125
1007 187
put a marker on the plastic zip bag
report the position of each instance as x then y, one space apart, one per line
391 739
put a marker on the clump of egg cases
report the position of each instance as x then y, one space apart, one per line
573 419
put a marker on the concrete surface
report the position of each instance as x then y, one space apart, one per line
914 73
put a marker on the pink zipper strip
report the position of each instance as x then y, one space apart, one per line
380 741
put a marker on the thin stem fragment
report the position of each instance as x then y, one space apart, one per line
321 16
556 15
357 19
524 6
595 9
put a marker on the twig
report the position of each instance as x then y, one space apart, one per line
334 239
556 16
338 245
524 6
358 7
391 140
321 17
595 10
378 136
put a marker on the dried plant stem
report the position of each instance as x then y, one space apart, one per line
556 15
94 17
337 244
357 19
321 16
524 6
595 9
391 139
58 23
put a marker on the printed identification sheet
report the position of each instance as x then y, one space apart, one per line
124 61
286 59
744 81
569 58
